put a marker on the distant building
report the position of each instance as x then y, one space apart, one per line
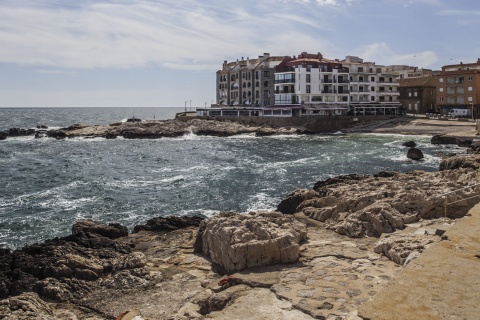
406 72
373 89
418 94
458 86
247 82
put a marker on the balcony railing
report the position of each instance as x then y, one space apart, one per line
285 81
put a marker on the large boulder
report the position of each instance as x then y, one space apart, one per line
239 241
415 154
3 135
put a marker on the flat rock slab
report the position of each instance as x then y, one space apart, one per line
442 283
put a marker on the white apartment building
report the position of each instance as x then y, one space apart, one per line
318 85
372 87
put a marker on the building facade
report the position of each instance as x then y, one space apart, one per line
248 83
458 86
373 89
418 94
309 80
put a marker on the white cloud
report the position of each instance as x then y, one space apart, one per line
126 34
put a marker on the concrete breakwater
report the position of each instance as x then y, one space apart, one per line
101 271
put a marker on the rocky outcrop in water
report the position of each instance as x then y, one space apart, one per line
359 206
167 128
239 241
415 154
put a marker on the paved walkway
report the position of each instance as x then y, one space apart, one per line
443 283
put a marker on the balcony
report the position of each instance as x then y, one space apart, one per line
285 81
327 81
343 81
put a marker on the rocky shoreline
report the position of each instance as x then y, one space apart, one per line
323 254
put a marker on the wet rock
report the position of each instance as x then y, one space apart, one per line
111 231
169 223
110 136
239 241
443 139
410 144
18 132
3 135
294 199
415 154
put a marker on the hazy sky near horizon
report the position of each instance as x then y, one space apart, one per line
160 53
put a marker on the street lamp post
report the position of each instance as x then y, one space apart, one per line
186 105
472 110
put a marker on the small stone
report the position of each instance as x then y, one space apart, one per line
305 293
326 306
353 292
330 290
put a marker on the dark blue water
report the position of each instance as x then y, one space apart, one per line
47 184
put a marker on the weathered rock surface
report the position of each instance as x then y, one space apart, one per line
239 241
403 248
360 206
62 268
166 128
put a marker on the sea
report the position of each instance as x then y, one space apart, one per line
47 184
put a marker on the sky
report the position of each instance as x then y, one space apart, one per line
164 53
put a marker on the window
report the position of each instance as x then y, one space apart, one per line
440 79
470 88
257 84
470 78
409 94
440 89
372 79
266 73
415 93
470 99
256 75
372 88
265 84
308 88
372 98
441 98
308 78
309 67
360 69
266 94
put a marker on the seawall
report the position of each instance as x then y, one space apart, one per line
314 124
